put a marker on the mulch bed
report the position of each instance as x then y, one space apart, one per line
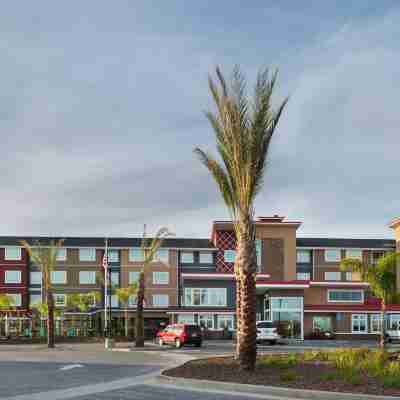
308 376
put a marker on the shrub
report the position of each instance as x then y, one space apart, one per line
352 377
288 376
391 382
315 355
375 363
281 362
329 376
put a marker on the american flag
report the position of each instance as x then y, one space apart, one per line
105 262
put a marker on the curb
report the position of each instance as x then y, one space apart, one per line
259 391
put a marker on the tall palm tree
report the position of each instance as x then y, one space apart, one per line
149 248
243 129
45 257
124 295
6 304
382 280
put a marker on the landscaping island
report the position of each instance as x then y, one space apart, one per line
349 370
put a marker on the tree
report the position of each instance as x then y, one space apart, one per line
6 304
243 129
42 309
381 278
45 257
149 248
124 295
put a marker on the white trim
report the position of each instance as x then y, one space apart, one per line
356 333
344 248
338 283
366 324
341 311
18 258
213 312
345 301
217 275
282 286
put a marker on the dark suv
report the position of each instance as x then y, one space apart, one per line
180 334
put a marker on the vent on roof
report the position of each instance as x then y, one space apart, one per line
275 218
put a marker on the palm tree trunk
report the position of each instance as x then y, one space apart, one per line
139 340
50 320
383 327
238 310
246 265
126 320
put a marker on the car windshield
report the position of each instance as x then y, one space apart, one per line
263 325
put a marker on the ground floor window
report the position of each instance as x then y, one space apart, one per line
322 324
185 318
376 323
287 314
359 323
394 322
225 322
206 321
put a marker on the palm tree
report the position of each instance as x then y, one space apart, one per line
46 259
42 309
381 278
6 304
243 130
149 249
124 295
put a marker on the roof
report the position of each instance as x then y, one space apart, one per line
178 243
343 242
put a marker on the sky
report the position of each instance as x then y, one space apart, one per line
102 104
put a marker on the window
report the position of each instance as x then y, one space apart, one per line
88 254
205 297
346 296
206 321
287 303
332 255
160 278
206 258
87 277
136 255
58 277
113 255
132 301
35 278
59 299
354 253
322 324
161 256
16 299
160 300
61 254
225 322
333 276
353 276
303 256
359 323
229 256
34 299
114 301
133 277
13 253
115 279
185 318
376 323
12 277
258 252
394 322
303 276
187 257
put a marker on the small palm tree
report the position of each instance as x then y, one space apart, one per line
149 248
45 257
83 302
42 309
124 295
243 130
382 280
6 304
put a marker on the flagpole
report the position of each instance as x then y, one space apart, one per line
105 266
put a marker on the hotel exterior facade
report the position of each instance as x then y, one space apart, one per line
300 286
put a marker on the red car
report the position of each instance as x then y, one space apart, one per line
180 334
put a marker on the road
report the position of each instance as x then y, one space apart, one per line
88 372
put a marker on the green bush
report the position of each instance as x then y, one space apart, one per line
281 362
375 363
391 381
315 355
288 376
329 376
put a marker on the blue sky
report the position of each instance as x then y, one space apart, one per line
102 103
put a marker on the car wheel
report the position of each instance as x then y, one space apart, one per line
160 342
178 343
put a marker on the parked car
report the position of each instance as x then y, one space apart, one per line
180 335
392 335
267 332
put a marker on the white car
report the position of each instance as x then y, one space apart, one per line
392 334
266 332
